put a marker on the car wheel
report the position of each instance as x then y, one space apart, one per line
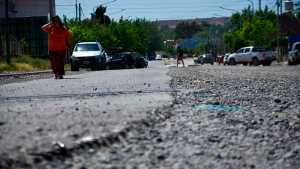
74 67
232 61
255 62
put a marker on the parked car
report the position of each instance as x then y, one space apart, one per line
89 55
225 59
294 54
206 58
158 57
127 60
253 56
140 60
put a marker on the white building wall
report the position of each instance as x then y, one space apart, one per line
29 8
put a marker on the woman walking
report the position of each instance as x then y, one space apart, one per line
58 41
180 56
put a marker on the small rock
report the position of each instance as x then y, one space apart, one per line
86 139
76 108
76 136
39 129
161 157
291 154
2 123
219 156
252 166
277 100
37 160
159 140
83 167
214 139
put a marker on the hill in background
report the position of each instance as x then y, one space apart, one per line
214 21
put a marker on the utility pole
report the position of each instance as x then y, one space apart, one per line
80 10
76 8
8 61
279 9
51 8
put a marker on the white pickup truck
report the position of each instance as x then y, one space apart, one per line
253 56
294 54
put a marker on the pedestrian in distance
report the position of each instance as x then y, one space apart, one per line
180 56
58 42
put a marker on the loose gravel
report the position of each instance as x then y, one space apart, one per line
263 134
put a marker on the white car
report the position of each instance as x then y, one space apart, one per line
225 59
253 56
89 54
158 57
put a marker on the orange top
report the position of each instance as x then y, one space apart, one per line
58 37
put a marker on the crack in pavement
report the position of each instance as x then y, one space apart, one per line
95 94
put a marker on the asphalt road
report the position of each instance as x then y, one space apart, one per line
37 114
207 116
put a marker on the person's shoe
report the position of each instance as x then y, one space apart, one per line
60 77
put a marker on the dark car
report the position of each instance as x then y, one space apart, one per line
140 60
127 60
206 58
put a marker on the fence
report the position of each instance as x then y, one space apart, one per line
25 36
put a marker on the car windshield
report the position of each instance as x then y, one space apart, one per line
87 47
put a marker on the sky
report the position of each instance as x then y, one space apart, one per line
160 9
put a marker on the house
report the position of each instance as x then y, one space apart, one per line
24 26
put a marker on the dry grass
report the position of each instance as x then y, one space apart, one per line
24 64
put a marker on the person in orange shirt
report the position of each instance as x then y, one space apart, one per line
58 41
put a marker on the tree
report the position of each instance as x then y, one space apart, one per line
100 15
248 28
138 35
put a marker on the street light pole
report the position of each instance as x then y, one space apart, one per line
8 61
